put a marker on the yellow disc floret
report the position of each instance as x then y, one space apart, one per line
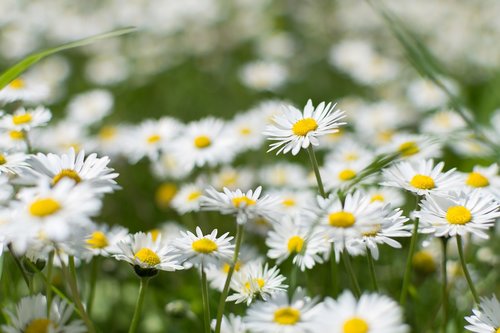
17 84
341 219
153 138
286 316
194 195
3 160
355 325
422 182
21 119
458 215
377 197
289 202
204 245
39 325
304 126
16 135
424 262
66 173
295 244
243 200
148 257
475 179
347 174
409 148
44 207
98 240
165 193
202 141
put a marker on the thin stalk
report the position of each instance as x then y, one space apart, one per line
444 242
371 264
206 300
314 164
407 274
350 272
20 266
225 291
334 269
69 275
138 306
50 268
93 281
293 277
465 269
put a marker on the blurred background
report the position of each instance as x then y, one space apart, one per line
194 58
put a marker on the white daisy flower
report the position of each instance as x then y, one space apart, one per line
283 174
386 195
24 89
264 75
13 163
444 122
203 249
111 140
293 129
6 190
146 254
187 199
303 244
372 313
60 137
482 178
90 170
24 120
103 241
14 141
294 202
247 130
412 147
169 166
279 315
245 206
90 107
421 177
485 319
426 95
348 150
341 174
204 143
233 178
231 324
458 213
256 280
31 316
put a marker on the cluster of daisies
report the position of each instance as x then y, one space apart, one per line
348 205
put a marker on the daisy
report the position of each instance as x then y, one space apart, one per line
146 255
90 170
31 316
444 122
60 137
386 195
168 165
256 280
301 242
264 75
246 206
203 249
294 129
24 120
187 199
426 95
458 213
372 313
110 140
341 174
484 179
233 178
421 177
204 143
486 319
24 89
412 147
348 151
293 202
12 163
247 130
90 107
279 315
103 241
14 141
231 324
283 174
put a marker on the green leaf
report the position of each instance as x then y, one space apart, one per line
13 72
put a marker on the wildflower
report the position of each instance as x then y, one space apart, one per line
485 319
25 120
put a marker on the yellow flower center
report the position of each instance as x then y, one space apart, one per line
341 219
245 131
44 207
194 195
154 234
165 193
347 174
148 256
288 202
204 245
3 160
98 240
17 84
372 232
66 173
39 325
16 135
153 138
498 330
476 179
260 282
21 119
304 126
422 182
202 141
355 325
385 136
377 197
295 244
286 316
423 261
351 157
243 200
237 267
409 148
458 215
107 133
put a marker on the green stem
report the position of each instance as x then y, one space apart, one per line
20 266
407 274
138 306
371 264
206 299
293 277
69 275
50 267
334 271
93 281
465 269
350 272
444 242
314 164
225 291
